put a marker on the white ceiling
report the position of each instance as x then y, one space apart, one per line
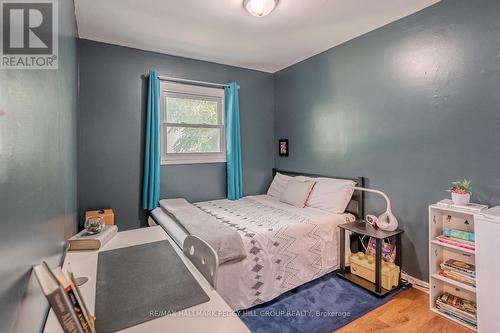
222 31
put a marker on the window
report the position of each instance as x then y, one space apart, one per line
192 124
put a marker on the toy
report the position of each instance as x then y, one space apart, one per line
363 266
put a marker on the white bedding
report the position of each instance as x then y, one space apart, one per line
286 246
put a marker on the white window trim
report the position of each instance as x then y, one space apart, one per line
191 158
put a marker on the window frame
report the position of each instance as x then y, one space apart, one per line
188 90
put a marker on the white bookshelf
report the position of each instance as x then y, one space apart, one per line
439 218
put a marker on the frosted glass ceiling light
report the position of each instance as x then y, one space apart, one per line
260 8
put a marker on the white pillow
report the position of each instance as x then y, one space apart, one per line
278 185
297 192
332 195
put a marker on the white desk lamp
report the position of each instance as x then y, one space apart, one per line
387 221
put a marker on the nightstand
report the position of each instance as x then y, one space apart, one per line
363 228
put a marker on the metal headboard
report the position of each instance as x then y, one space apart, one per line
357 204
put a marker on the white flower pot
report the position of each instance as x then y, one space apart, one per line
460 199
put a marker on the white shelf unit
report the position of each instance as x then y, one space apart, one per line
439 218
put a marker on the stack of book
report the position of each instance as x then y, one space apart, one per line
462 243
458 308
65 298
459 271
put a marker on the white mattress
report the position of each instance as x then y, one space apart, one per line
286 246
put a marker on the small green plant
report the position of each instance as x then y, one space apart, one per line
461 186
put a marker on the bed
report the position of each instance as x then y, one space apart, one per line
286 246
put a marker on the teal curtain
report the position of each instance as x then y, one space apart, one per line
233 145
151 185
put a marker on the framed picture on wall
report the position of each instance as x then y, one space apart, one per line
283 147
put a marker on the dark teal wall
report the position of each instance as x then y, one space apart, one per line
37 176
412 106
111 130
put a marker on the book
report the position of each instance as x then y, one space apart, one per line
458 304
456 270
472 207
90 317
458 277
456 312
456 242
460 266
85 241
470 323
69 289
388 250
460 234
58 299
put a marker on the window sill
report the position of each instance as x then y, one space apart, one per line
192 161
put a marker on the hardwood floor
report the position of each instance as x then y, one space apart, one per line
407 312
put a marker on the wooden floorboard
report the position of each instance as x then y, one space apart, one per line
407 312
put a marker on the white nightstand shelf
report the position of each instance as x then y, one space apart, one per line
440 218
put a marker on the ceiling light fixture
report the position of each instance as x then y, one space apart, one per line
260 8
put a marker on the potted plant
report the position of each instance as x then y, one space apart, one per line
460 192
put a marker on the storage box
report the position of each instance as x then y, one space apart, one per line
107 214
363 266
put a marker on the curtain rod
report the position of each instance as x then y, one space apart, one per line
203 83
200 83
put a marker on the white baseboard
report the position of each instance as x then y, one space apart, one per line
417 284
